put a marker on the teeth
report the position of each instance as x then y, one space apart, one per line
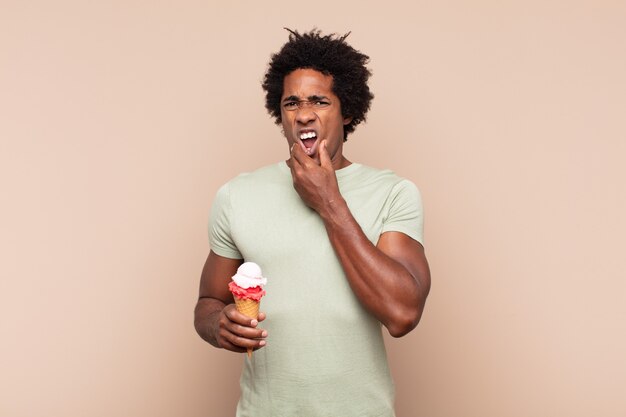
308 135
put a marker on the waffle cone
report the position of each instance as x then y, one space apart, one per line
249 308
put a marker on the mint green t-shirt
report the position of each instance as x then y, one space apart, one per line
325 355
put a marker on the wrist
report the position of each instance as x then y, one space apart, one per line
334 209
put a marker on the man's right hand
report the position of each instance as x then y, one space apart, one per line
216 318
237 332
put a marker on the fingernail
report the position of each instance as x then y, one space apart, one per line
264 334
253 323
262 343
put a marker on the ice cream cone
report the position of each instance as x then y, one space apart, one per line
249 308
247 289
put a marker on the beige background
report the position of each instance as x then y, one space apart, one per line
120 119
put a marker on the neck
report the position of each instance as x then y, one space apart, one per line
341 162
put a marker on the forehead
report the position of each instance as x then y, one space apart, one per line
307 82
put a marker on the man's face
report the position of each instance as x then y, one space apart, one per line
311 112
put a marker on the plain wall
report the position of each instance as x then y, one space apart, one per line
120 119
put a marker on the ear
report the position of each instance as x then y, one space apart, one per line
347 120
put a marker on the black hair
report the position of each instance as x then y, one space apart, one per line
330 55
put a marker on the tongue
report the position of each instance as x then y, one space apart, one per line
309 142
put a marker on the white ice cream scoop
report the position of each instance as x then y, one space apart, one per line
249 275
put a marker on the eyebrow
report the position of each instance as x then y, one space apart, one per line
309 98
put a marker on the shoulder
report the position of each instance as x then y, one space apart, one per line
261 185
384 178
266 174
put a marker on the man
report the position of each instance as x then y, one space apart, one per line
339 242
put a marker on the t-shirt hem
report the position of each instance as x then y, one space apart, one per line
227 253
410 233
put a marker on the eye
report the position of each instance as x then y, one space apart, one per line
320 104
290 105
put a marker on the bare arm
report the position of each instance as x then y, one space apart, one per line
391 279
216 319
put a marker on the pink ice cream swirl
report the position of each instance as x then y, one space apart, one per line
248 282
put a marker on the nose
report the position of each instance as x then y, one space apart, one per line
305 114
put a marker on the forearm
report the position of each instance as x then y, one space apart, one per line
383 285
391 279
206 317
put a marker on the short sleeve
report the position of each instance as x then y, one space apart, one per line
220 237
405 213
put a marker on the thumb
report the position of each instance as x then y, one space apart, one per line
324 157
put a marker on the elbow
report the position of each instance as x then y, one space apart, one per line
406 318
404 322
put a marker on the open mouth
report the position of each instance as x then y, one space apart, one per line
308 139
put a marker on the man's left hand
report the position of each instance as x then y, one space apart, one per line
316 184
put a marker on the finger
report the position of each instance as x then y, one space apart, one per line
235 316
295 168
247 332
324 156
239 341
261 317
225 344
293 147
242 341
298 153
293 162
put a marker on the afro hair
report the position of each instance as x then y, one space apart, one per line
330 55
